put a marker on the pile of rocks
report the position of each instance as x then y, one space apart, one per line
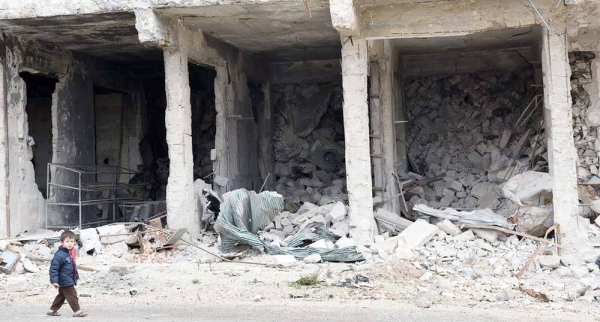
585 119
463 136
333 217
484 263
309 143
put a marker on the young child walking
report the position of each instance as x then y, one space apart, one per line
64 276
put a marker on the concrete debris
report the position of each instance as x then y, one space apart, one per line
448 227
8 261
549 261
4 245
284 260
476 217
312 259
310 163
90 240
417 234
586 116
487 234
466 169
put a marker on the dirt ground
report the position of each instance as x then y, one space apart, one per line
187 282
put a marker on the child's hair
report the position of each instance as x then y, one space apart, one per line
67 234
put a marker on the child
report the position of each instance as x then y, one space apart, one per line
64 276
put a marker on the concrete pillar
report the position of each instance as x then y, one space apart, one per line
389 136
356 131
561 147
181 205
4 168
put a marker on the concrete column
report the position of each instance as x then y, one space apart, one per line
561 147
4 151
356 131
389 137
181 205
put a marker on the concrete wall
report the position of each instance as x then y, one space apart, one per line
25 202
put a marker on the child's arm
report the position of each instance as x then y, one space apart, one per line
54 269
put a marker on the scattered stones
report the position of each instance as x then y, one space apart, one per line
122 269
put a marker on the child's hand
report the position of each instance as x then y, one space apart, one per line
55 285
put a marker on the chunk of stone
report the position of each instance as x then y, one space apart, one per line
312 259
340 229
345 242
417 234
4 245
456 186
284 260
405 254
474 158
487 234
448 227
580 271
338 213
30 266
549 261
505 137
467 235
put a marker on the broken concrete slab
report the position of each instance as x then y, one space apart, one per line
338 213
312 259
467 235
284 260
417 234
487 234
345 242
8 261
448 227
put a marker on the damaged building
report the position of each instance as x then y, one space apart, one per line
374 104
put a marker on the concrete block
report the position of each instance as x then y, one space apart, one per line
4 245
456 186
341 228
447 201
345 242
474 158
447 192
312 259
549 261
284 260
338 213
467 235
417 234
8 261
487 234
580 271
448 227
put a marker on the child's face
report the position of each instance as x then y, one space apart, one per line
69 243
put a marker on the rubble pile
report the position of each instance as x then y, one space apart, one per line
469 134
287 224
483 264
585 119
309 144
